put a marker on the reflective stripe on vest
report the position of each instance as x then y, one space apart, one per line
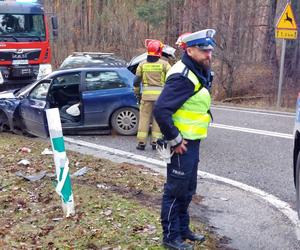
192 118
149 68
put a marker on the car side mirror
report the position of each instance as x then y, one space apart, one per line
21 97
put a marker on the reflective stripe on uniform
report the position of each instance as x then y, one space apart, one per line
152 90
195 80
142 135
152 67
149 68
156 135
192 132
180 67
176 140
190 115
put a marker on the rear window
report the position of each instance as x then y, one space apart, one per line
97 80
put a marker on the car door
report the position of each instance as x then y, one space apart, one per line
32 109
103 92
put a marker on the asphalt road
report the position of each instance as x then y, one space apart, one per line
259 159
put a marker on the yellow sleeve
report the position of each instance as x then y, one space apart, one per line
168 66
139 71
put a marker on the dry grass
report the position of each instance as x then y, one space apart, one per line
117 205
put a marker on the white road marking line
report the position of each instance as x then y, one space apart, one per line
251 130
256 111
282 206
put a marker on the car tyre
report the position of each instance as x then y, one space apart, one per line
297 180
125 121
4 125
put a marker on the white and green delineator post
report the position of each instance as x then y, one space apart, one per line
63 187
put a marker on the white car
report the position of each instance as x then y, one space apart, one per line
168 52
296 158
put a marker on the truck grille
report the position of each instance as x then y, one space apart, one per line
19 54
25 71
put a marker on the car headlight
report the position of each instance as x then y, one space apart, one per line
44 70
1 78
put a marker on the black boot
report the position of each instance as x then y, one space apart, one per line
177 245
153 145
193 237
141 146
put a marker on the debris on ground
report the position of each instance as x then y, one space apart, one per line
36 177
109 213
24 162
47 151
80 172
103 186
25 150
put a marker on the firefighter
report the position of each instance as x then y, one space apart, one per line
152 74
182 113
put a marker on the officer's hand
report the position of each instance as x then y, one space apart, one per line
181 148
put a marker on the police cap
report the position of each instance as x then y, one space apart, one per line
202 39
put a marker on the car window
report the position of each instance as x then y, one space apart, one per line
96 80
40 91
74 62
67 79
92 59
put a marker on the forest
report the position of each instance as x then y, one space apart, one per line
245 62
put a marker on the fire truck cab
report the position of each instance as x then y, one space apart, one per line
25 53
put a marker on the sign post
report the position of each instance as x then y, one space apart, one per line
286 28
63 187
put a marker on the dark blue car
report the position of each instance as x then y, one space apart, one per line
90 100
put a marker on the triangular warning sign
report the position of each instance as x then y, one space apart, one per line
287 19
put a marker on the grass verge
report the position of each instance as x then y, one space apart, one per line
117 205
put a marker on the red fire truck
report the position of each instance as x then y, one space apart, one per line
25 54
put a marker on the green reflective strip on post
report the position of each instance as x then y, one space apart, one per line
58 144
66 191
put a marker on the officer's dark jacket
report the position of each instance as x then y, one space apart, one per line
177 90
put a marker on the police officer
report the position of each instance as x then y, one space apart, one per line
182 113
152 74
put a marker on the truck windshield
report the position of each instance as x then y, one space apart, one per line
23 27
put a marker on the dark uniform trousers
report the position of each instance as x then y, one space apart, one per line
178 191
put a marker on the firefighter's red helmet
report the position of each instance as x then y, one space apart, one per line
154 47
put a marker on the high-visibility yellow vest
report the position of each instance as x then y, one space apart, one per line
192 118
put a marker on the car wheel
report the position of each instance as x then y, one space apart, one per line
297 180
125 121
4 125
